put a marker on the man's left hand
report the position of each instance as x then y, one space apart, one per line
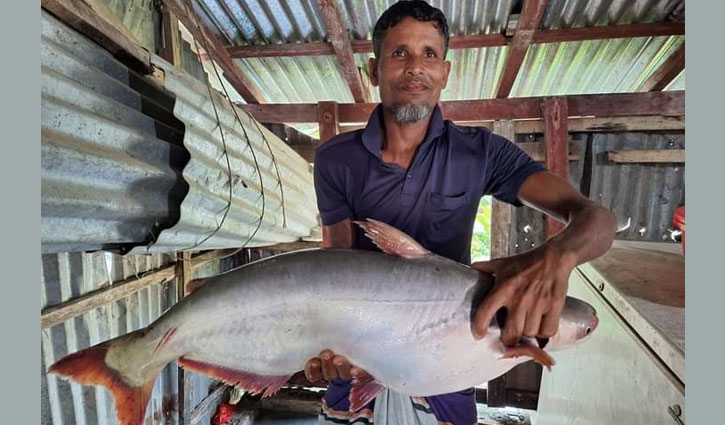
532 286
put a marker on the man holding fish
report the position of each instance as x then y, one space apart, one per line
425 176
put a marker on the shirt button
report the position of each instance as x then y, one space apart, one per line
409 176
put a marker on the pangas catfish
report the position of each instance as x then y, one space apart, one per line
404 316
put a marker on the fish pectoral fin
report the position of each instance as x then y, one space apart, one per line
364 389
391 240
267 385
537 354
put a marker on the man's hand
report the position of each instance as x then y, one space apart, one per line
532 286
328 366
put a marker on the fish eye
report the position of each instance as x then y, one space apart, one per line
587 331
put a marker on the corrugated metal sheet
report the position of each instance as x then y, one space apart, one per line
643 195
104 165
586 13
112 160
203 208
678 83
596 66
68 275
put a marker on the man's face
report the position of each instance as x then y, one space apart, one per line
411 70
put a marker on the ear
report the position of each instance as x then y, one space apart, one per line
446 70
373 71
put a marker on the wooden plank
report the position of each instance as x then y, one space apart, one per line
337 33
329 120
608 124
206 39
207 405
669 103
315 48
668 71
647 156
80 16
171 38
531 14
60 313
291 246
663 104
501 214
609 31
184 274
537 150
556 133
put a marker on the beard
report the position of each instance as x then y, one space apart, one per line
408 113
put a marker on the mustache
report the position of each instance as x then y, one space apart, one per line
415 80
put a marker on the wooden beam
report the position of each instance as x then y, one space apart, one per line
670 103
470 41
604 32
208 404
556 133
529 21
609 124
231 71
53 315
647 156
79 15
337 33
537 150
184 274
171 38
329 120
668 71
290 246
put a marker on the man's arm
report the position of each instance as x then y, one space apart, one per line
339 235
533 285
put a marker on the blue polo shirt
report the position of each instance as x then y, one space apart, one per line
435 201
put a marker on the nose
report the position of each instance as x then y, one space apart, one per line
414 65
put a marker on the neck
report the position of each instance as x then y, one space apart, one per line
403 137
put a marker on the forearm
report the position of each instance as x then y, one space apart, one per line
589 234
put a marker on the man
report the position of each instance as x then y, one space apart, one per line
425 176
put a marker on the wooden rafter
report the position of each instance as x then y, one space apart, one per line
668 71
337 32
667 103
231 71
317 48
556 133
531 14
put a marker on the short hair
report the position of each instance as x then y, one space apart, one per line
416 9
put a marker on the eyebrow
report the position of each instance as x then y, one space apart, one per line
407 47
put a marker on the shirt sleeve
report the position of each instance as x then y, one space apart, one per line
332 201
507 169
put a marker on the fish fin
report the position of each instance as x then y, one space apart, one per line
391 240
267 385
89 367
537 354
364 389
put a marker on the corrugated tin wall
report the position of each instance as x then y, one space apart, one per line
65 276
120 153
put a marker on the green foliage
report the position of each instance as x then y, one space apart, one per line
481 241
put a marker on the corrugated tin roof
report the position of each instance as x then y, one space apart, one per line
596 66
69 275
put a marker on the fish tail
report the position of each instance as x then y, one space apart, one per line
130 384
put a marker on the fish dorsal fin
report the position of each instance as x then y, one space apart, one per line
364 389
391 240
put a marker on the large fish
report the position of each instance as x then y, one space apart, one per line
404 316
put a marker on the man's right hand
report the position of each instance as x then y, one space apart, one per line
328 366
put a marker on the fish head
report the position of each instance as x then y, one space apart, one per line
577 323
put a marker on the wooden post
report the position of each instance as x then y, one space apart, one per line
183 276
329 119
171 38
501 214
556 133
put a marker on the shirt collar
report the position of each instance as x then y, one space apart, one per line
372 135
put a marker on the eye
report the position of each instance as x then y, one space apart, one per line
587 331
399 53
430 54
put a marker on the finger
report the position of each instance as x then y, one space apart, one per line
487 309
342 366
329 371
514 326
313 372
533 320
550 321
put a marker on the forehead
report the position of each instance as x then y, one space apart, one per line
412 32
